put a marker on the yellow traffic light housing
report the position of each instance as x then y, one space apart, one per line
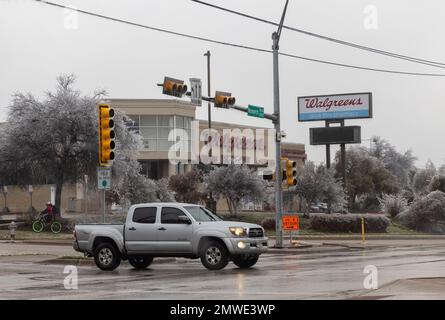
224 100
291 173
174 87
106 134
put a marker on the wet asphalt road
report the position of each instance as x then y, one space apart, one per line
331 275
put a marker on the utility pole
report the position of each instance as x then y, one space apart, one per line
276 93
207 54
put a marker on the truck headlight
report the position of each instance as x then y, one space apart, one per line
238 231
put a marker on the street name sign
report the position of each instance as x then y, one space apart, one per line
335 107
255 111
196 91
103 178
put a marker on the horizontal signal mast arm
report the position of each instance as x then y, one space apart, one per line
237 107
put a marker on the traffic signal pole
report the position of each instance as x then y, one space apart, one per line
276 98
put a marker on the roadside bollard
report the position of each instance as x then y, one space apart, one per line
12 230
363 229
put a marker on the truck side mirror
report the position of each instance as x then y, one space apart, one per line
184 219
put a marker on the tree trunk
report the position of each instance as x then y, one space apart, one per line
235 208
229 206
59 185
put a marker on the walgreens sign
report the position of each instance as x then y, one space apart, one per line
333 107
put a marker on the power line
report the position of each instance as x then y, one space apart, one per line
338 41
232 44
360 67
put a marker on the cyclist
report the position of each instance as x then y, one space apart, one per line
49 214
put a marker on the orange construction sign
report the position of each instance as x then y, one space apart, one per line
291 222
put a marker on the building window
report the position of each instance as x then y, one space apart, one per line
155 129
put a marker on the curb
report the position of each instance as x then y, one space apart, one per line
50 242
81 261
368 237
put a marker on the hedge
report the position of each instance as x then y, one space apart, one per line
349 222
426 214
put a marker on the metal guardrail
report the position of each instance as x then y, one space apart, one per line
6 225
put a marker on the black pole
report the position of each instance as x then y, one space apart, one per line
343 158
209 89
212 203
328 162
328 150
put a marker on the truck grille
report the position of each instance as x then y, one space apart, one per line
255 233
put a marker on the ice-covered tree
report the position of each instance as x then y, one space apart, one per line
399 164
422 179
187 186
365 175
316 183
55 140
235 183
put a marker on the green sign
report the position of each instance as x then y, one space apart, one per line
103 178
255 111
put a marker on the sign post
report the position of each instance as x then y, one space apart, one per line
103 183
5 194
31 209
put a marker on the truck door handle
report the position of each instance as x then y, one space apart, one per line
132 228
162 229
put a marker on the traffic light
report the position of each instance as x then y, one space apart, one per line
174 87
224 100
291 173
106 134
283 172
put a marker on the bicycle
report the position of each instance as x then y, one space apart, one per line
43 220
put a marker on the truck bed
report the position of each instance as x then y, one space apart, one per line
84 231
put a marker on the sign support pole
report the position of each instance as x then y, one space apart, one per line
276 97
103 213
343 158
328 161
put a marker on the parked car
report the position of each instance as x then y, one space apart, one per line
319 207
171 230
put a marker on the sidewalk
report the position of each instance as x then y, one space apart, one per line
408 289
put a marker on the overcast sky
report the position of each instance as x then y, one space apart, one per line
36 46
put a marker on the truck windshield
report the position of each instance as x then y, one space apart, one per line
201 214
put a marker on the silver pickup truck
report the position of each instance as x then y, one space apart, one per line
171 230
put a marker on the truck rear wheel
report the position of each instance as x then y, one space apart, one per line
106 256
214 255
140 262
245 261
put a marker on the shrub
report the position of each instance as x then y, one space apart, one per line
426 214
268 223
392 204
349 222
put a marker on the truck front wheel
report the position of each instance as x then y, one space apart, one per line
214 255
107 257
245 261
140 262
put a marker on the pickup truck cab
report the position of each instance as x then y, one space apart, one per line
171 230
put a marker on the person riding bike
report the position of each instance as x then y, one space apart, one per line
49 214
